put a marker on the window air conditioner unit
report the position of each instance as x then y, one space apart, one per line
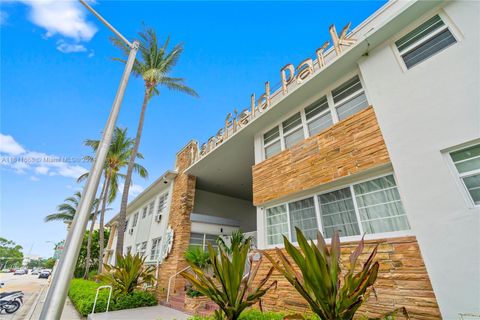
130 231
158 218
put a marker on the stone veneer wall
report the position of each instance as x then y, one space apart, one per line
402 281
179 219
350 146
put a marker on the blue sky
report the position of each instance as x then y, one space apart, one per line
58 82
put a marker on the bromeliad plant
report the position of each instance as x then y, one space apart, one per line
319 280
230 287
128 275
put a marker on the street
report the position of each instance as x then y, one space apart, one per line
32 287
29 284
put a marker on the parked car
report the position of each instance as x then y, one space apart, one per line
35 272
6 271
44 274
13 269
19 272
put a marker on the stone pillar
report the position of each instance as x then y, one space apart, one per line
183 196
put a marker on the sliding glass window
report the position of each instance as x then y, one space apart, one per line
373 206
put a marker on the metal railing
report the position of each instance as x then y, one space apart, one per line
96 297
170 281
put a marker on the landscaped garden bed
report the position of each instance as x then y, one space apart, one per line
82 293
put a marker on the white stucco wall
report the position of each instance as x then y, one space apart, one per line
147 228
423 111
215 204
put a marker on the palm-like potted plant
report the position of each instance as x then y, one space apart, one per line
129 274
319 277
230 287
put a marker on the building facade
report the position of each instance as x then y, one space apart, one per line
378 135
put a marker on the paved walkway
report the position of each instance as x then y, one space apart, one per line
148 313
69 311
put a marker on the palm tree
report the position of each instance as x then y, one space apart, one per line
68 209
117 158
154 66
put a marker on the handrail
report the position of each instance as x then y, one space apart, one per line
170 280
96 297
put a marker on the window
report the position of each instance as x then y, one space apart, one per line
129 249
155 250
150 207
277 224
349 98
292 130
429 38
318 116
202 240
379 206
271 142
370 207
162 204
144 213
135 220
126 225
467 162
303 216
142 248
196 239
337 212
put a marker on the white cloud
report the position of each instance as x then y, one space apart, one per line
66 18
33 178
15 157
9 146
133 191
70 47
42 170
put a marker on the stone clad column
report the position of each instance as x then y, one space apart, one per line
179 220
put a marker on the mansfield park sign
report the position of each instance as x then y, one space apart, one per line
289 75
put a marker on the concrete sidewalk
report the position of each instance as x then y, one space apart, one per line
69 311
148 313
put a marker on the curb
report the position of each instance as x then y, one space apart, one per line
34 305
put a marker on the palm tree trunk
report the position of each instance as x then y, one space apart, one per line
101 229
123 209
90 234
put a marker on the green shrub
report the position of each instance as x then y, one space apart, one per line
254 314
192 293
82 293
136 299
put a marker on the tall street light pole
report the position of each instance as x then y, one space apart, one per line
57 293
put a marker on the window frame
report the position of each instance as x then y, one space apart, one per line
139 248
459 176
350 97
448 25
332 110
367 236
135 219
155 248
151 207
161 210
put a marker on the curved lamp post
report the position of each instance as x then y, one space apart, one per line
57 293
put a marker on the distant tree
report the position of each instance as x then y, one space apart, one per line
95 249
10 253
118 156
37 263
49 263
154 65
